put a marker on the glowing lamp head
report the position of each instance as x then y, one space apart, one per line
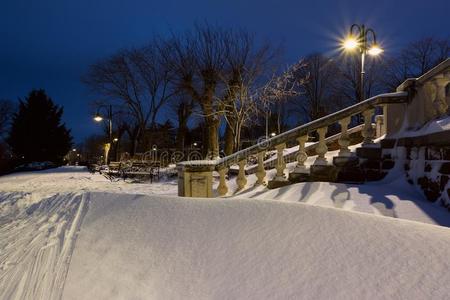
98 118
115 140
375 50
350 43
273 134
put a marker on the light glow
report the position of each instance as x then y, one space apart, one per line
350 43
98 118
375 50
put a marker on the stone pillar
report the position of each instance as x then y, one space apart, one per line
440 102
222 189
281 165
300 173
344 139
301 155
280 179
367 131
321 148
195 180
379 121
260 171
241 181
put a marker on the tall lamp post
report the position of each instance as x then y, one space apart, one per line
363 39
98 118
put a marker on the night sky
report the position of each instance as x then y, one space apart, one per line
50 43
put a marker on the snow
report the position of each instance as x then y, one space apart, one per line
66 233
439 125
391 197
170 248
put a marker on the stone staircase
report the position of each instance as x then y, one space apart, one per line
416 102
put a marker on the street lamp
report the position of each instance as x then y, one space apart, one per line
98 118
359 39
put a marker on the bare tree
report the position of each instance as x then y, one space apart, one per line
246 63
136 79
321 95
182 107
275 94
414 60
198 59
350 79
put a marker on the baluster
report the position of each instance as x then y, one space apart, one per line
301 156
241 180
344 139
379 120
367 131
222 188
440 103
281 165
321 148
260 171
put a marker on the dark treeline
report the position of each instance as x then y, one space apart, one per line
32 131
222 88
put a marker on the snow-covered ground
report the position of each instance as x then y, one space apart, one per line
66 233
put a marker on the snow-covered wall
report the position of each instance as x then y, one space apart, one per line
428 167
428 100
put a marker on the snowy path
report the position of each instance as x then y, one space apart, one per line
36 244
65 233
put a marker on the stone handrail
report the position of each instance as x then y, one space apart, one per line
311 146
371 103
195 177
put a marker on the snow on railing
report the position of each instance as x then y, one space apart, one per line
371 103
190 185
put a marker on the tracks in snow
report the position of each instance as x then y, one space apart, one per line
36 243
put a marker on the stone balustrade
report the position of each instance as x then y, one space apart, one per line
195 177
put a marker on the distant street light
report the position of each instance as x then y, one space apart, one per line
115 140
98 118
273 134
359 38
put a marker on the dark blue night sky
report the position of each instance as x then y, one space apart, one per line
50 43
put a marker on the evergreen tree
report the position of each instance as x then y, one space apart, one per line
37 133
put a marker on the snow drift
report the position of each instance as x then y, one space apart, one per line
60 239
171 248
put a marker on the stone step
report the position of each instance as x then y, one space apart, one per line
299 177
370 164
388 143
350 175
369 152
325 173
387 164
374 175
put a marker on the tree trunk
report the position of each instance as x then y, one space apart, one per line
181 137
229 140
213 137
